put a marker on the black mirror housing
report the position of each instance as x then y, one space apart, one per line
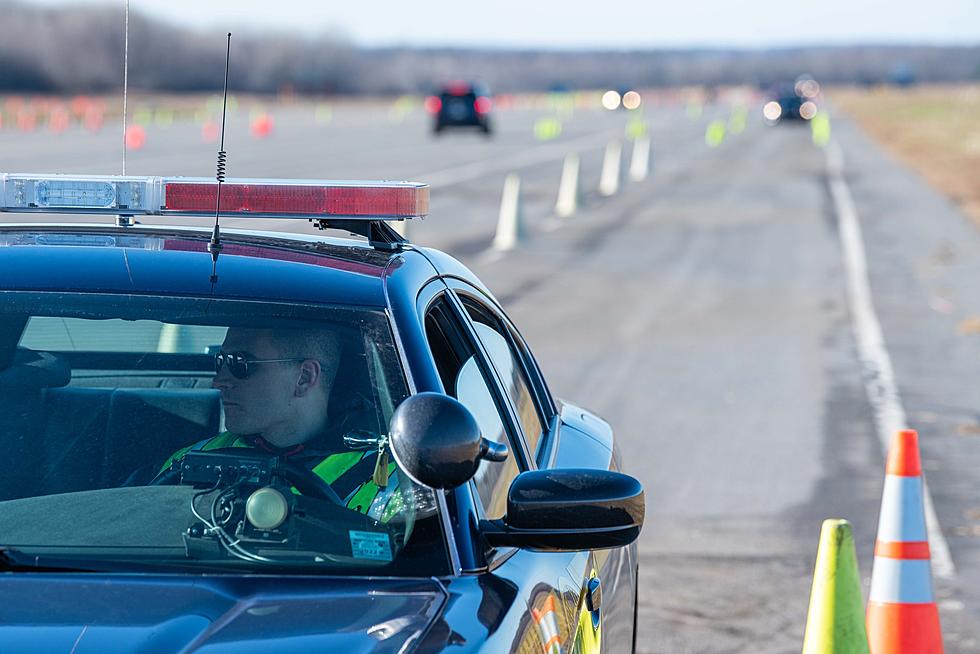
437 441
569 510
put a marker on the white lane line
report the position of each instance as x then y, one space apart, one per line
540 154
879 375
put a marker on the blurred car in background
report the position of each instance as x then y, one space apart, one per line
792 101
460 104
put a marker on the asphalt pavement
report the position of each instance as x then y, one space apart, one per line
702 311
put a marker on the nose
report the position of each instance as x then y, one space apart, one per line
222 380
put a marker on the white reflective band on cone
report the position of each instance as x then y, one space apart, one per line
901 581
902 514
548 627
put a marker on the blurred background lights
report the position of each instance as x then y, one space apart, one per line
631 100
610 100
809 88
808 110
772 110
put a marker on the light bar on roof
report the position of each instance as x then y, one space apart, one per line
188 196
77 194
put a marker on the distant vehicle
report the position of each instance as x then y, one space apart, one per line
460 104
794 101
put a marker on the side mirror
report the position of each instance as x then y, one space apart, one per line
437 441
569 510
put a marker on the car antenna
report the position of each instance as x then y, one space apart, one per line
124 220
214 245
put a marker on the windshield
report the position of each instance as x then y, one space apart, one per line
204 433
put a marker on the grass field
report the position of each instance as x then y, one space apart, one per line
934 129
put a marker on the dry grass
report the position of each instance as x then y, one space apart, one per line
934 129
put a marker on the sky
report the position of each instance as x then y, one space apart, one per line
556 24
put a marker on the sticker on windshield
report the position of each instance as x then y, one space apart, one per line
370 545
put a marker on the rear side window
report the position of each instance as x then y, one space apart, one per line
510 369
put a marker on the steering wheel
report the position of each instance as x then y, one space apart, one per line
303 480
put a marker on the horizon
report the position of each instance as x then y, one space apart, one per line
550 26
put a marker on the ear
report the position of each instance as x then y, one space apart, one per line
309 377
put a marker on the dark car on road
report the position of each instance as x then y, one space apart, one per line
500 519
792 101
460 104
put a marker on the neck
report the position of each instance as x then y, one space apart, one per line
299 430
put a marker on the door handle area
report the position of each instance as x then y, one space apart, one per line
593 596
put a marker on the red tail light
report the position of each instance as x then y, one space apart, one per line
482 105
433 104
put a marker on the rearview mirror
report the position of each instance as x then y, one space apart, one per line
437 441
569 510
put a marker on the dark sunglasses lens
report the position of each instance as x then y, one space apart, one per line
237 364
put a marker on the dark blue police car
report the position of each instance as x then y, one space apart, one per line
498 518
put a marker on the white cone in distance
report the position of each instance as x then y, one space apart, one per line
401 226
640 163
609 179
567 203
510 228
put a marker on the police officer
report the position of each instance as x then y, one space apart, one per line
275 388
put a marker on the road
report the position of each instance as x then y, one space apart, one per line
703 311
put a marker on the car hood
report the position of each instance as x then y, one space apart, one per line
137 614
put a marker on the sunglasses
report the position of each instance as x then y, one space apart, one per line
238 363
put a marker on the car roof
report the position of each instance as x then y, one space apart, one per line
269 266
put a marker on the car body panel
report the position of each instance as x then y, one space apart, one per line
494 600
213 614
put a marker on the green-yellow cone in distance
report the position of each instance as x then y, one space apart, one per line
835 621
820 129
715 133
636 128
546 129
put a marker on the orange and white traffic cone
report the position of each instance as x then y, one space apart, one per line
547 623
902 613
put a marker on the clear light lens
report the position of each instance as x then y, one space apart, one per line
631 100
71 193
610 100
772 110
266 508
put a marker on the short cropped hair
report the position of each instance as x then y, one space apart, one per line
310 343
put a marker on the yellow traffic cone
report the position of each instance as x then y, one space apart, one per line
835 621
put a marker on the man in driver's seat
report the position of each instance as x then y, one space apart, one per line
275 387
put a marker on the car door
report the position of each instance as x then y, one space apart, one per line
526 613
576 599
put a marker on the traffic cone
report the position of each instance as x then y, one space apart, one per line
902 612
835 621
547 624
510 224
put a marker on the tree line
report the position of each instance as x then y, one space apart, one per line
80 50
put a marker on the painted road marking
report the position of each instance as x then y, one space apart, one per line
875 361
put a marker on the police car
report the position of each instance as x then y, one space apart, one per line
473 510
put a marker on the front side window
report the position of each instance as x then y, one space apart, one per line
206 433
465 380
